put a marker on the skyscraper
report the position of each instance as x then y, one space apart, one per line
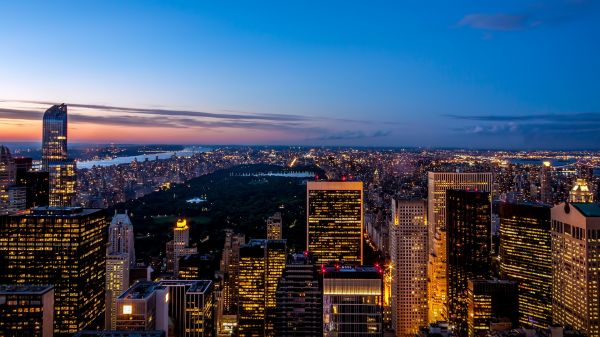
437 184
37 185
120 257
409 253
143 307
575 272
65 247
299 309
26 310
8 173
546 183
54 136
191 307
468 224
581 192
335 221
230 266
352 301
261 266
274 227
489 300
55 159
526 257
179 246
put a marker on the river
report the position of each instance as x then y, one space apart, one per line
187 152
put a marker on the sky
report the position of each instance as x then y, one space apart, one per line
474 74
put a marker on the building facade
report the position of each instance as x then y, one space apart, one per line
65 247
26 310
491 300
179 246
335 221
437 184
526 257
575 260
468 224
143 307
409 254
191 307
299 305
275 227
352 301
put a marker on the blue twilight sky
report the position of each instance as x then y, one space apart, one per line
482 74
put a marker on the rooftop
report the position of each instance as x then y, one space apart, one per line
24 289
587 209
62 211
140 290
195 286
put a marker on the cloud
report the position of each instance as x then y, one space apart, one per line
570 117
353 134
500 22
535 15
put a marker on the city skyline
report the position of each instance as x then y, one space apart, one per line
495 75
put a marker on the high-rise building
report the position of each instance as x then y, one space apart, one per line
54 135
468 224
55 159
230 266
179 246
117 282
526 257
65 247
299 309
581 192
8 174
120 236
62 177
437 184
409 253
274 227
546 183
196 267
490 300
261 266
191 307
143 307
26 310
352 301
335 221
575 261
120 257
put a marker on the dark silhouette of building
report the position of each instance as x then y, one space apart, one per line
468 224
299 310
491 301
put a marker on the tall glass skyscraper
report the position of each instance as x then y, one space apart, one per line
54 135
55 158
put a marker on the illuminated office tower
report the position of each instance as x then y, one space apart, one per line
55 159
117 281
468 222
335 221
581 192
26 310
299 306
575 272
546 183
261 266
230 266
352 301
8 174
65 247
491 300
143 307
179 246
62 177
437 184
409 253
191 307
274 227
54 135
526 257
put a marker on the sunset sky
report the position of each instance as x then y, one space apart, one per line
481 74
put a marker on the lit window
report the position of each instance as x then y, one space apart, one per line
127 309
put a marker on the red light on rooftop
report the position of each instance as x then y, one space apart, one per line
306 253
343 178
